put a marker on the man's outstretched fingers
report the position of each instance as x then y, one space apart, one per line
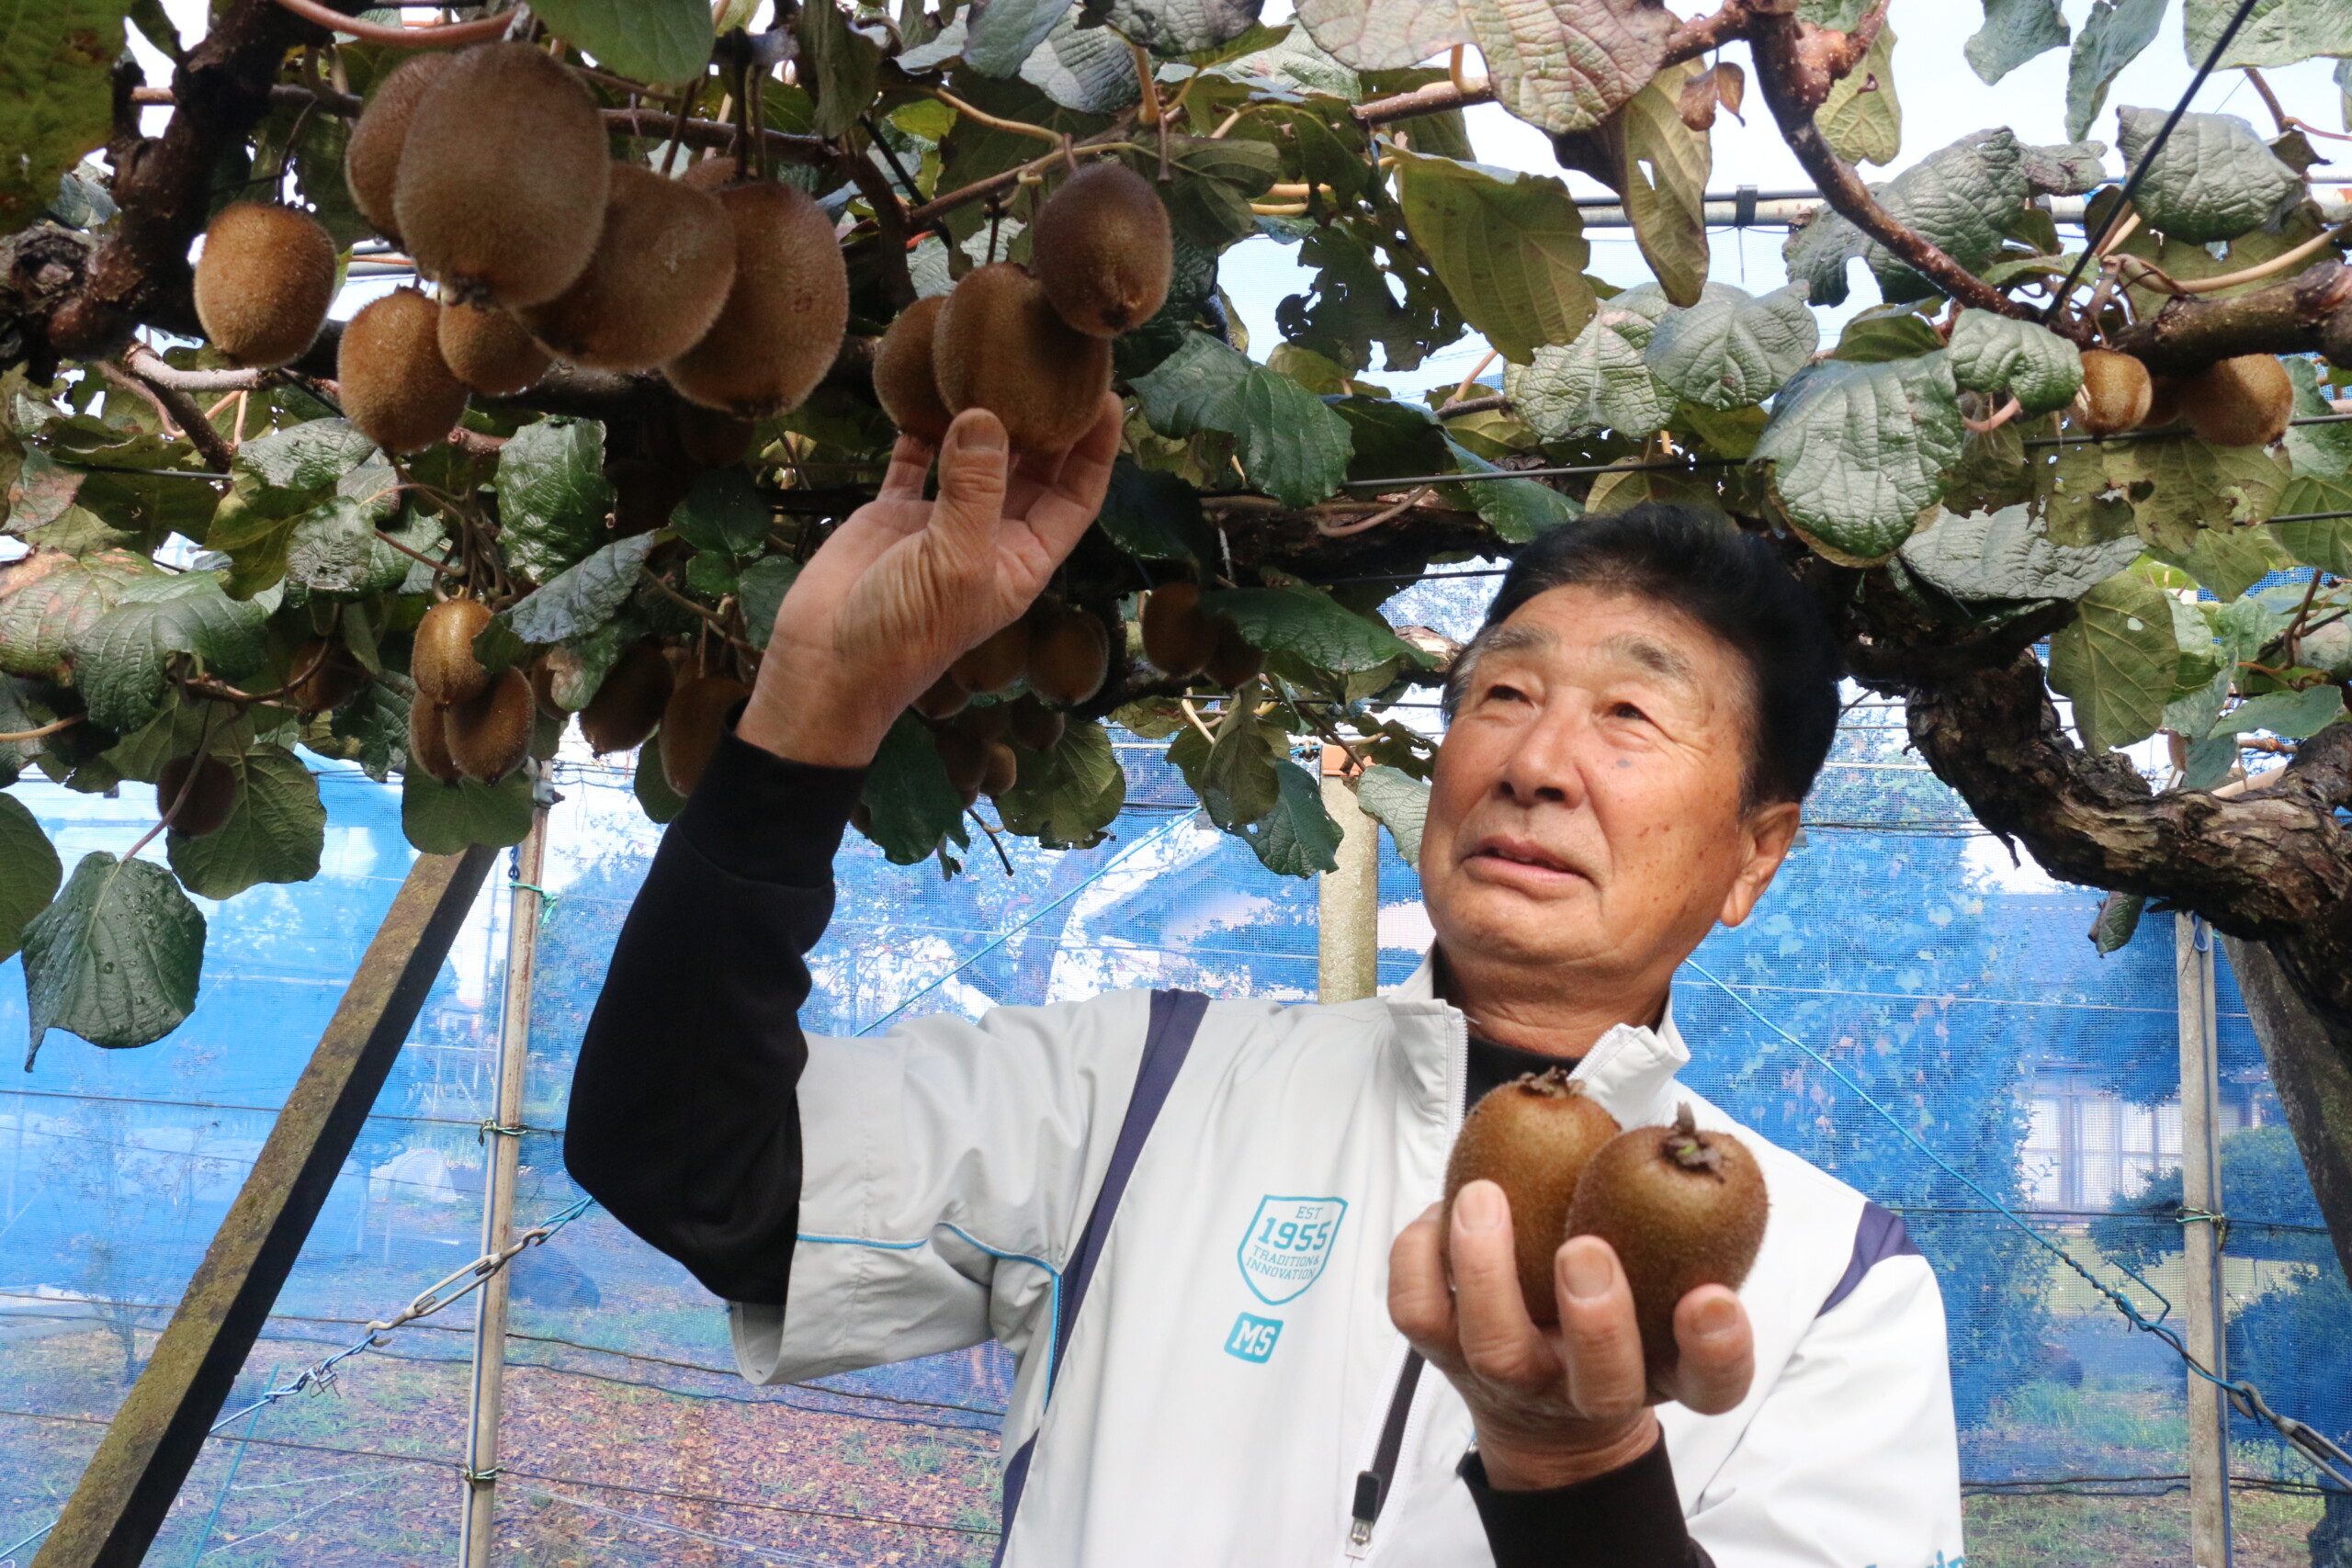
1500 1341
1418 1302
1604 1341
1716 1345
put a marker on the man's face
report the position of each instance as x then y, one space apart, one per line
1585 821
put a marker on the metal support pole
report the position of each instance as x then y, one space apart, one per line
1347 900
2200 1195
154 1438
505 1136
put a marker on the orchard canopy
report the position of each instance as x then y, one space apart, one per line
218 567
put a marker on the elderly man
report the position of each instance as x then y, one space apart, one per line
1208 1230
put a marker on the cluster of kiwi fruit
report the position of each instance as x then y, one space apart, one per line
1054 657
1682 1208
1032 344
2242 402
464 722
1186 641
648 688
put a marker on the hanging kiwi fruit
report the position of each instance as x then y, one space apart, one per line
1237 662
629 704
661 268
396 389
1102 251
784 315
1033 725
371 158
489 351
943 699
1000 345
205 789
442 662
502 177
428 740
966 762
692 725
2243 401
904 382
1002 770
489 734
996 662
1070 655
711 439
324 676
1532 1137
2115 394
263 282
1177 638
1682 1208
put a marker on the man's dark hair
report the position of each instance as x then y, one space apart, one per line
1731 583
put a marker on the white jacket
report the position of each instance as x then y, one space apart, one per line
1231 1369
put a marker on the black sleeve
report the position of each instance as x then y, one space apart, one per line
684 1123
1629 1517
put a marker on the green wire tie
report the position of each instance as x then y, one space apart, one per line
546 901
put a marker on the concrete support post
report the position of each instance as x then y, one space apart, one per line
2201 1194
1348 899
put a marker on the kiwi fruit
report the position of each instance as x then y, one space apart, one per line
1002 770
631 703
489 733
2115 394
1034 726
966 762
371 158
692 723
1682 1208
2335 338
324 676
1177 638
904 381
1102 251
2244 401
1237 660
212 793
662 269
710 439
543 672
1070 655
2163 402
396 390
1000 346
442 663
489 351
428 740
988 723
502 177
1532 1137
781 324
710 174
995 663
263 282
943 699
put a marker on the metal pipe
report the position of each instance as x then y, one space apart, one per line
2201 1202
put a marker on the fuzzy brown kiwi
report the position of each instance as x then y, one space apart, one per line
1176 636
2115 394
1101 250
1070 655
371 159
1682 1208
904 382
1532 1137
966 762
2242 402
943 698
502 177
2163 402
543 672
1237 660
1003 770
709 173
212 793
489 351
324 676
442 663
631 703
662 266
263 282
489 733
988 723
396 390
692 724
1034 726
781 324
428 740
711 439
995 663
1000 346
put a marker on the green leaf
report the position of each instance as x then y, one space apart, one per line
308 458
2115 661
1863 117
49 598
1067 798
1234 775
1383 35
2002 356
278 478
1961 196
1087 69
2324 541
119 660
1859 451
2119 914
1510 250
1664 183
2290 715
1887 331
2277 32
55 104
1567 66
1729 349
760 592
1517 510
2180 486
273 834
1313 625
29 871
1214 180
1297 837
659 41
582 598
1398 802
723 513
659 801
116 956
841 64
2227 559
2215 179
552 495
2014 32
2007 555
442 820
1152 515
1171 29
2316 448
1002 32
912 804
1293 445
2112 37
1817 252
1600 381
334 549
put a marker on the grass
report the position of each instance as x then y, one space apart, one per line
2268 1531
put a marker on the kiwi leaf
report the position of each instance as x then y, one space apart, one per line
119 660
1153 515
441 819
1731 349
581 598
273 833
1398 802
1067 797
1517 510
1297 838
1293 445
912 804
760 589
1235 778
2117 661
116 957
662 41
552 495
1860 450
1313 626
29 871
1511 252
723 513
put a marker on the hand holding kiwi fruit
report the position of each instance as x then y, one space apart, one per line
1532 1137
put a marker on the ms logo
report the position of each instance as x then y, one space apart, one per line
1288 1242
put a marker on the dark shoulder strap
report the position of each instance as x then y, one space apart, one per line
1175 1018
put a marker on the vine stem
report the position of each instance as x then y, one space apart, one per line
66 723
2255 274
441 35
981 116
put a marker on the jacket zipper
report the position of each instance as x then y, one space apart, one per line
1373 1485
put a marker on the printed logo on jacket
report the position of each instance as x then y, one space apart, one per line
1287 1244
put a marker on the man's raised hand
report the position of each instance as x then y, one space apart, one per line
905 586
